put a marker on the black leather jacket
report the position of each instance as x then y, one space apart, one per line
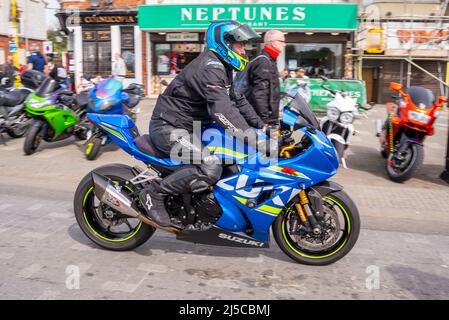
264 88
203 92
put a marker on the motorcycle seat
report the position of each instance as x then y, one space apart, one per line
144 144
13 98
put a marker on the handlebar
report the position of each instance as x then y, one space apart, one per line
327 89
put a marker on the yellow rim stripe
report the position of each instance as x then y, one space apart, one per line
327 255
99 235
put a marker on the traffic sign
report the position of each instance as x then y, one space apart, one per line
48 47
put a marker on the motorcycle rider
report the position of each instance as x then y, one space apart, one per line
201 92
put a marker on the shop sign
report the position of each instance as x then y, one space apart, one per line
89 35
104 35
182 37
421 37
259 16
320 97
101 19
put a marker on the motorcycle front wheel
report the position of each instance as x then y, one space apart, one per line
93 149
33 139
402 170
340 230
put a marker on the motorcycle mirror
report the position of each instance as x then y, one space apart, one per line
442 100
396 86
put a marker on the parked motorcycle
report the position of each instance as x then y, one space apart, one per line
300 87
13 118
57 114
338 122
313 220
410 119
109 97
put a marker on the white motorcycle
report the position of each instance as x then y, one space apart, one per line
301 87
338 122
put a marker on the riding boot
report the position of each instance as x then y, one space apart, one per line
152 199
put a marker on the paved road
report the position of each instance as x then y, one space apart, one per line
402 252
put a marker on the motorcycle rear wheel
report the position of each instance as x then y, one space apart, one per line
90 215
18 130
337 204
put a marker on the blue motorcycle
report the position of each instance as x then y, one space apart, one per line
312 219
109 97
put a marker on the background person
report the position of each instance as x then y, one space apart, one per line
119 67
36 61
9 71
263 82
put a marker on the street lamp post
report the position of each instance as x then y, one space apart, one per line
14 36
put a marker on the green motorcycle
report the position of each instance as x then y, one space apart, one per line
57 114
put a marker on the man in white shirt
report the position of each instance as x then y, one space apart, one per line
119 67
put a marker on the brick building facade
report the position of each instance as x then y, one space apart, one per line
98 30
29 33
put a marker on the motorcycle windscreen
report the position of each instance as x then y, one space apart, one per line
421 97
48 86
108 88
300 105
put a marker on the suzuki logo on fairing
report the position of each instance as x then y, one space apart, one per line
240 240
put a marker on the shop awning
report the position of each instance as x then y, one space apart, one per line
288 17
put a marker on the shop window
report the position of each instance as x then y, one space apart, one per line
316 59
171 58
97 52
127 49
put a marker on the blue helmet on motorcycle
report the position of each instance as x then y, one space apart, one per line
222 34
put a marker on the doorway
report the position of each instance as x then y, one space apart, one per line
370 76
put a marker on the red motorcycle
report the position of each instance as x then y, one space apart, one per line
410 119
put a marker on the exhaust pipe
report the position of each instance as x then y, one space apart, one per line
109 194
106 191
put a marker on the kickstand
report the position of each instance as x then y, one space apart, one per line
2 139
343 162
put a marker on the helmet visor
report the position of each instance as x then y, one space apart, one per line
244 33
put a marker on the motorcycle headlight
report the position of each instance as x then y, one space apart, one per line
347 117
418 117
106 105
36 104
333 114
100 106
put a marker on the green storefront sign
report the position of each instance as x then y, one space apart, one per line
259 16
320 97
